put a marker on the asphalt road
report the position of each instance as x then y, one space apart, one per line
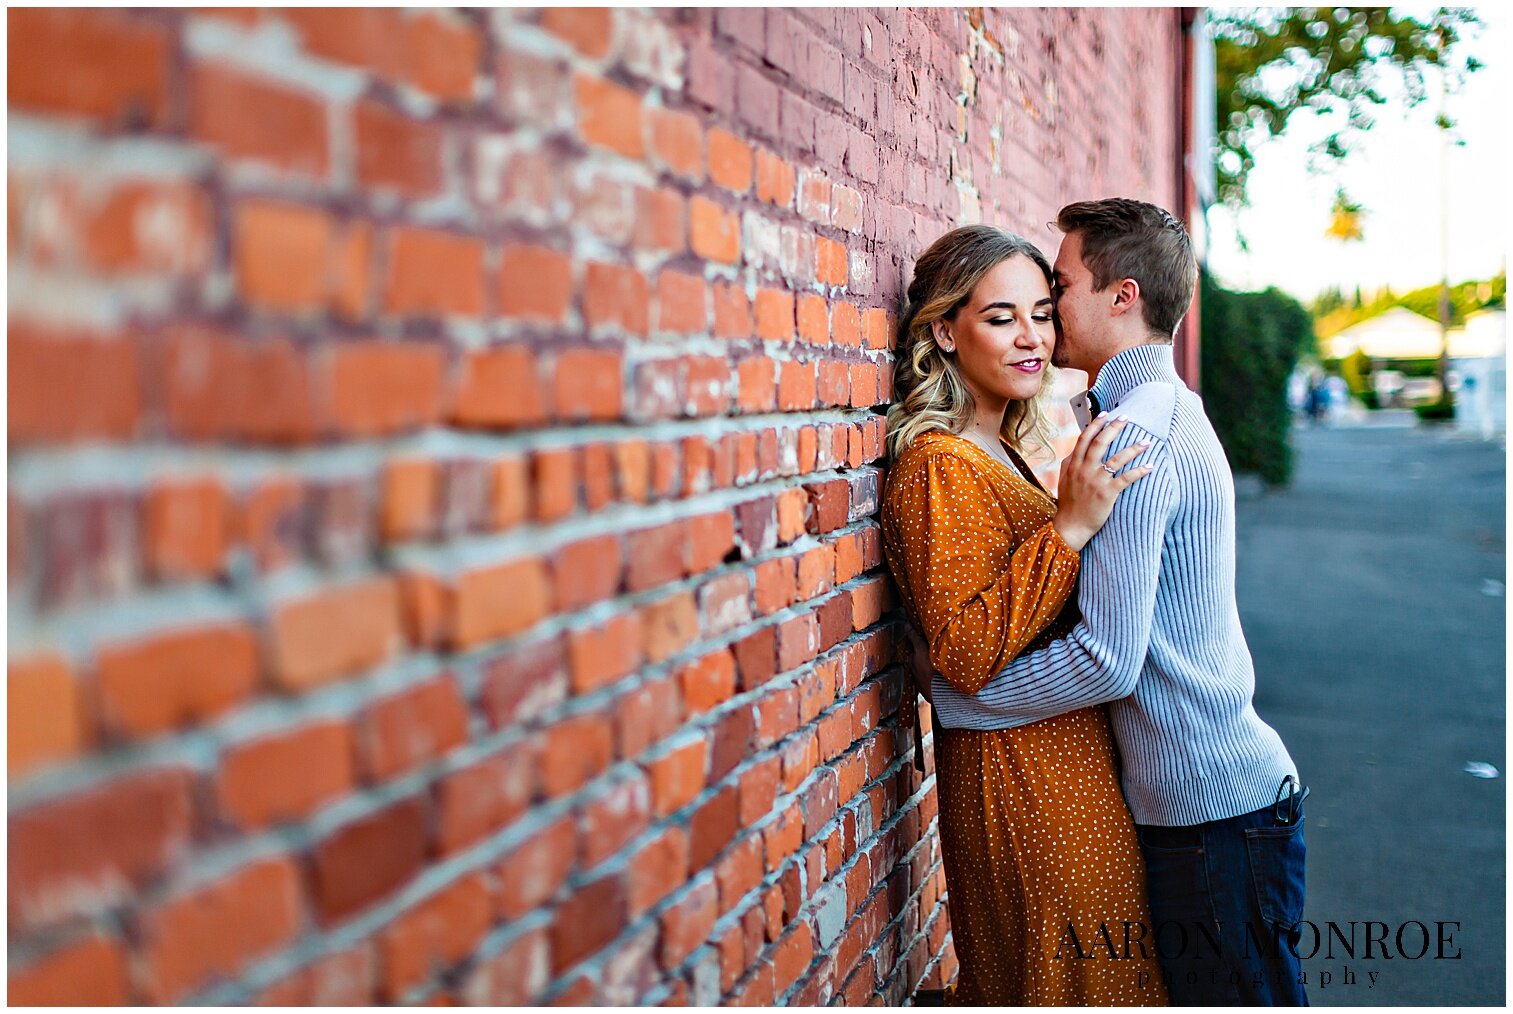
1371 592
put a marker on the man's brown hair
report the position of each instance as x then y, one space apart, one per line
1122 239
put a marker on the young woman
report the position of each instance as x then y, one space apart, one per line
1043 871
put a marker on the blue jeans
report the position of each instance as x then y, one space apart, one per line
1226 899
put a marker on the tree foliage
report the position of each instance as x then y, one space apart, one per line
1271 63
1332 313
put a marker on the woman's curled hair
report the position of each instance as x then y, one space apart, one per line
929 393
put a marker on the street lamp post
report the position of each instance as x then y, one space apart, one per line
1444 242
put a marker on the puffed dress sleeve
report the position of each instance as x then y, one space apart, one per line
979 603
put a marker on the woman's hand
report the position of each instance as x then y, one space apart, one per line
1088 486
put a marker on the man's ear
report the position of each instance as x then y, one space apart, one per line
1126 294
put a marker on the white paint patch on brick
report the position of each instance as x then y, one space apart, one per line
273 51
761 241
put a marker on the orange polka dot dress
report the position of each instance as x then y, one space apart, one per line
1035 835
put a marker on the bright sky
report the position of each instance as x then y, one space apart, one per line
1395 173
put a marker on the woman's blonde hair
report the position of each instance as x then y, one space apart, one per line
928 388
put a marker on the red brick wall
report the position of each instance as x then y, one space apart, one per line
444 463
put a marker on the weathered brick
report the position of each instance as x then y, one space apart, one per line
383 388
682 303
713 232
217 930
609 116
246 117
89 971
602 654
660 221
368 858
396 151
814 196
477 800
756 657
499 388
730 161
645 715
830 265
576 749
68 386
586 571
149 229
435 273
757 381
119 69
655 556
775 179
499 601
725 603
678 142
46 713
339 978
687 925
708 681
845 324
798 386
731 741
515 977
442 55
615 298
285 775
334 634
555 485
84 852
712 827
661 867
588 385
590 918
225 387
774 315
668 626
434 935
783 838
407 729
813 320
775 587
533 871
535 283
830 504
615 816
186 529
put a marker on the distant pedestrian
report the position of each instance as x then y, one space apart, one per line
1316 404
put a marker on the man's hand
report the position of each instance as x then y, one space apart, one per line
920 666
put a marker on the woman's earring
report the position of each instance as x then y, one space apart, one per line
940 333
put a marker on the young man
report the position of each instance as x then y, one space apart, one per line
1213 792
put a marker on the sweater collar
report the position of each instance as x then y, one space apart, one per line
1131 368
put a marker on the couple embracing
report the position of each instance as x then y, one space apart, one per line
1118 825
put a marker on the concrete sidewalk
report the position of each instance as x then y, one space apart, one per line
1372 595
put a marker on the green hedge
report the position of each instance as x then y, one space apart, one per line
1251 342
